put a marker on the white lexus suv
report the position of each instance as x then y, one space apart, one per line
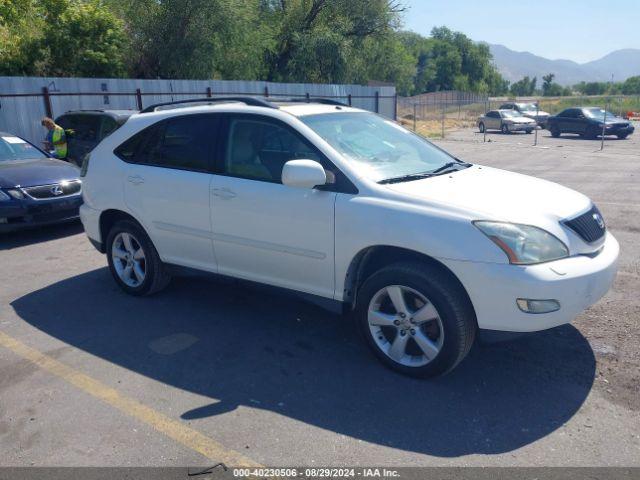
351 209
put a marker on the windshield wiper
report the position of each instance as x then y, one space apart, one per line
449 165
407 178
446 168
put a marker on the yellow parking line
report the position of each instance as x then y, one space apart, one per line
188 437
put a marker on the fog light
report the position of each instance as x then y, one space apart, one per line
537 306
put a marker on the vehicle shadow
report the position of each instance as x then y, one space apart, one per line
257 347
34 235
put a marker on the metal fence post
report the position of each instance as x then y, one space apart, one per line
377 101
443 106
604 123
139 98
395 106
47 102
266 91
209 92
414 117
349 99
535 141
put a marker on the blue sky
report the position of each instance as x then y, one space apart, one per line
579 30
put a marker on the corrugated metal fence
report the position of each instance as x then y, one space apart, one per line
25 100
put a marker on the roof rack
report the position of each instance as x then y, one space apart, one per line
323 101
247 100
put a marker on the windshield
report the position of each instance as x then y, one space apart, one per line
527 107
14 148
510 114
597 113
378 148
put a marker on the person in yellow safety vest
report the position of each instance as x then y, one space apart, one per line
56 141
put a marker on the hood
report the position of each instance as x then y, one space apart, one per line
611 120
485 193
520 120
27 173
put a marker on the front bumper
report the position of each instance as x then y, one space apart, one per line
28 213
576 282
520 127
616 130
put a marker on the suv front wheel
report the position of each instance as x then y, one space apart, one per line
416 319
134 261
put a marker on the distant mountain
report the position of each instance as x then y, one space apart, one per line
515 65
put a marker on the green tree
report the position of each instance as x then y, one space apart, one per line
60 37
631 86
523 88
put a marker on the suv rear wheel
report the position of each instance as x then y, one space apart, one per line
134 261
416 319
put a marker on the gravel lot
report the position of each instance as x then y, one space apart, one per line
91 376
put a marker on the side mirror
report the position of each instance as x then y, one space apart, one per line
303 174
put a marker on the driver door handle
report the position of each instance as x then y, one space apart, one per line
223 193
135 179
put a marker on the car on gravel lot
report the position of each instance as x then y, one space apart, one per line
86 128
588 122
530 110
507 121
352 211
35 189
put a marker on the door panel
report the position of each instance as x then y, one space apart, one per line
167 187
174 205
263 230
271 233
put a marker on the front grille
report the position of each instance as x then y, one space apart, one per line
56 190
587 225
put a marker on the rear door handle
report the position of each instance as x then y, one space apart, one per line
223 193
135 179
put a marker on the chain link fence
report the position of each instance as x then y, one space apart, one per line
437 114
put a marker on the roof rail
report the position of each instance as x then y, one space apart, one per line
247 100
324 101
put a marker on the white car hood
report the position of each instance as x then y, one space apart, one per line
521 120
493 194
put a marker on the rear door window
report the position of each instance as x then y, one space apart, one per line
183 143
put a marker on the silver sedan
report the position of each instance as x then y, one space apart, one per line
506 121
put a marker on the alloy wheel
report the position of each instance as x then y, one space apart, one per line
405 325
129 259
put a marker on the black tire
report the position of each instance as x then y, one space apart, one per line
529 131
622 136
481 127
555 132
156 276
447 296
505 129
591 133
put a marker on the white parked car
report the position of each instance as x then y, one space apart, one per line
351 209
507 121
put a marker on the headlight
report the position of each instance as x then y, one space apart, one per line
523 244
4 197
17 194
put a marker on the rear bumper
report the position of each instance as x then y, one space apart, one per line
90 218
27 213
576 283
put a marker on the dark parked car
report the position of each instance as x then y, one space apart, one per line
35 189
588 123
86 128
